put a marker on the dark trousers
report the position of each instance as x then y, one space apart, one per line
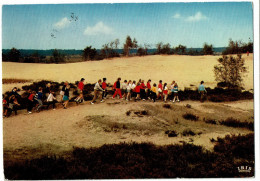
148 93
153 96
142 93
104 94
30 105
53 104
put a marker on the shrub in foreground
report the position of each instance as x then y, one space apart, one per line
144 160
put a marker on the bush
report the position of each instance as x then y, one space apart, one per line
190 116
188 132
231 122
144 160
229 71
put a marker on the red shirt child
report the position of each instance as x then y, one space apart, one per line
81 85
148 85
104 85
142 86
137 89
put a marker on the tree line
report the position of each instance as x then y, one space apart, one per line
130 48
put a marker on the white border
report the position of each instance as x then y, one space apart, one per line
256 60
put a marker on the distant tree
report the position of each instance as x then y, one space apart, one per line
180 50
207 49
234 47
89 53
141 51
159 47
229 71
116 43
166 49
57 56
146 47
129 44
14 55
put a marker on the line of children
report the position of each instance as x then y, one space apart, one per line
130 89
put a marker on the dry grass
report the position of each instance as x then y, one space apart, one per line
13 81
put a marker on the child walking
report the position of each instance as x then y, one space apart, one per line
160 90
38 98
133 89
124 89
153 92
175 91
118 88
51 100
80 98
97 88
142 90
30 102
128 89
66 96
148 85
137 91
165 92
104 87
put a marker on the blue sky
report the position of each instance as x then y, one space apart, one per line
189 24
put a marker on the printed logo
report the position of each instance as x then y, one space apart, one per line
244 169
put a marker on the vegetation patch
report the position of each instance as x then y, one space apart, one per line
211 121
171 133
12 81
141 160
188 132
190 116
231 122
167 106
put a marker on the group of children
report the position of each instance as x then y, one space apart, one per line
128 90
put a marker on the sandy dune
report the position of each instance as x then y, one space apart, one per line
56 131
185 70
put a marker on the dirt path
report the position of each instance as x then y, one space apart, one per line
56 131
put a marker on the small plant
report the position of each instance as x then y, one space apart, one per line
190 116
128 113
171 133
188 106
167 106
211 121
188 132
231 122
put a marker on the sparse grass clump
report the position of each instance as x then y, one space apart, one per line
231 122
188 132
12 81
171 133
167 106
190 116
210 121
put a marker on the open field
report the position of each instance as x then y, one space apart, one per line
58 132
185 70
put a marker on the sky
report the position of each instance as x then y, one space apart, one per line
50 26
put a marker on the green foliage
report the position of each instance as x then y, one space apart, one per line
13 55
163 48
108 50
129 44
89 53
141 160
57 57
238 47
230 70
207 49
180 50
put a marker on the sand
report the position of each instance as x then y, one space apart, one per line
86 125
185 70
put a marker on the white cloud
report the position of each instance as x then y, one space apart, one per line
99 28
197 17
64 22
177 16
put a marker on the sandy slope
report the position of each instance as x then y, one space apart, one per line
185 70
86 125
